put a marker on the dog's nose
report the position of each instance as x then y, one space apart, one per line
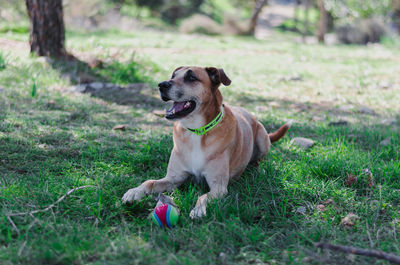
163 86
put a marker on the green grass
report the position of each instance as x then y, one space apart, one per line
2 62
56 141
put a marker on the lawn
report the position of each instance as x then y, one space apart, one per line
52 141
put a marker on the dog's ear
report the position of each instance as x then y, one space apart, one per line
224 78
173 73
218 76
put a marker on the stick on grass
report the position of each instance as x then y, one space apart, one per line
360 251
51 205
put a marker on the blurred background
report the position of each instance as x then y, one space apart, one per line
329 21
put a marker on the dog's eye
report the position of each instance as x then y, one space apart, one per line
190 78
173 76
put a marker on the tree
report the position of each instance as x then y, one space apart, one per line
322 22
47 33
256 12
307 4
396 13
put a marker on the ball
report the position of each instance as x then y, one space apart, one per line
165 215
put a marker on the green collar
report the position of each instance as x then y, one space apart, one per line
204 129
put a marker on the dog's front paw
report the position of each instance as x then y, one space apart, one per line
135 194
198 212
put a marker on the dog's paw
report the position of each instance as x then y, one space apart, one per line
198 212
131 195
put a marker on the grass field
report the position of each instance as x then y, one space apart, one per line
52 141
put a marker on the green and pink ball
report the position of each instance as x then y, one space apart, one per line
165 215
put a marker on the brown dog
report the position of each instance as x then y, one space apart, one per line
228 138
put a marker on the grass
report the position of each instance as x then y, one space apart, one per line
56 141
2 62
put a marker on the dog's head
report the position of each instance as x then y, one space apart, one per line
192 89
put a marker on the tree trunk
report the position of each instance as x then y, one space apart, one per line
296 15
396 13
305 24
323 21
47 33
254 17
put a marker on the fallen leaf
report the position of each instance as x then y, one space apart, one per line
371 182
349 219
327 202
370 178
120 127
159 113
385 85
94 62
351 179
51 104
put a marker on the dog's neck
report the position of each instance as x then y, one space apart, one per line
208 112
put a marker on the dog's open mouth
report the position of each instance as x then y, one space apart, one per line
180 109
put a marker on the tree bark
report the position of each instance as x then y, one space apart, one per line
254 17
396 13
306 22
47 32
323 21
296 15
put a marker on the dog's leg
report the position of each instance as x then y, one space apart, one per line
200 209
175 177
217 179
262 142
152 186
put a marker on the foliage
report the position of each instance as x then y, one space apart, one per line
169 11
358 8
173 11
299 25
218 9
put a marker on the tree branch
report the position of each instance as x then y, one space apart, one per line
359 251
51 205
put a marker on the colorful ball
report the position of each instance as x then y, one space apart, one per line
165 215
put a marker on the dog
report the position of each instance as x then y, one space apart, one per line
212 141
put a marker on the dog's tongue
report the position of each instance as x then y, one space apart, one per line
178 106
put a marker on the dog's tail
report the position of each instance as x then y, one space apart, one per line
278 134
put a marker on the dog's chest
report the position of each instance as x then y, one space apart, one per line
195 156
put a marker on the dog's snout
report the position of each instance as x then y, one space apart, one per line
163 86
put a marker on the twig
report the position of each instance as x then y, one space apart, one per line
359 251
51 205
13 224
22 248
371 243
